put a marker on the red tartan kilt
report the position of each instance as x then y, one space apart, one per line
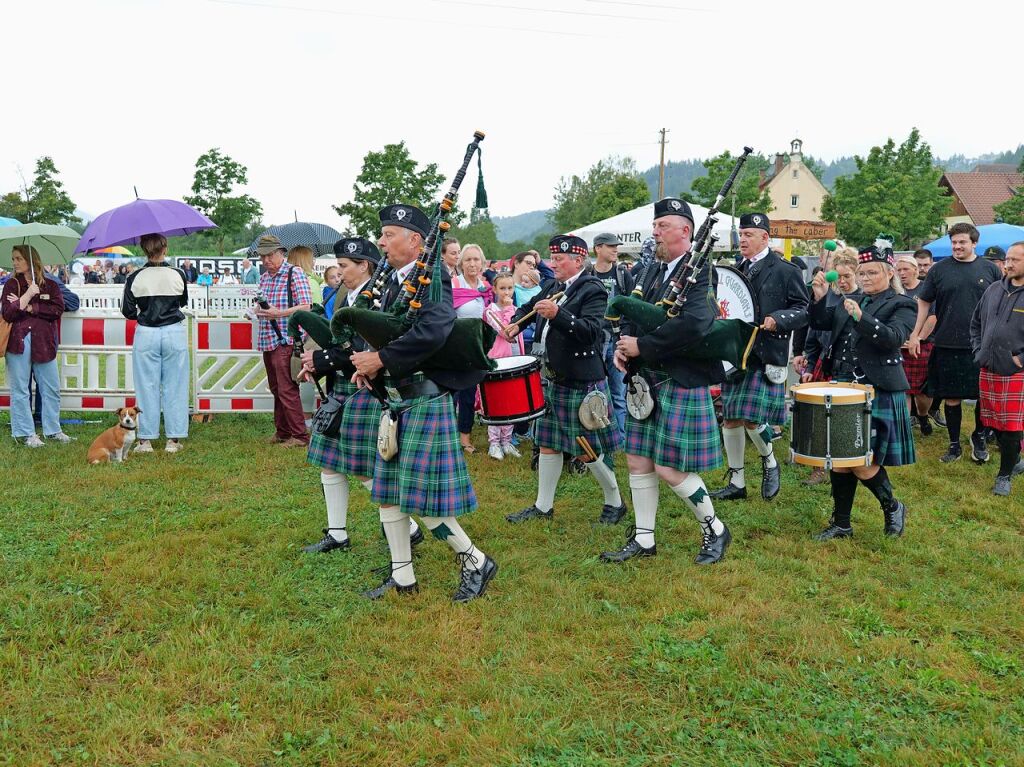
1001 400
917 369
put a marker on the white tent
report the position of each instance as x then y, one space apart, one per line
635 226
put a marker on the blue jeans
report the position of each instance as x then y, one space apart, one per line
20 368
616 388
160 367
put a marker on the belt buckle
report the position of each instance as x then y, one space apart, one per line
393 393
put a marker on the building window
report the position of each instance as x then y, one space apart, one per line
794 200
794 173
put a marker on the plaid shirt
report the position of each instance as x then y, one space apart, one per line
274 288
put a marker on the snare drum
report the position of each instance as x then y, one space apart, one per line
832 424
512 393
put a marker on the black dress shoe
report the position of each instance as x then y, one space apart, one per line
326 544
770 480
834 531
389 584
895 518
630 550
530 513
416 538
473 582
612 515
730 492
712 547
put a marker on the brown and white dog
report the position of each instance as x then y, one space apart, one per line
113 444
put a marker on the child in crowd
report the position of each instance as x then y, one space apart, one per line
332 282
498 315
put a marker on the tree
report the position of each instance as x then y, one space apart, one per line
610 187
894 190
44 202
215 179
1012 211
484 233
387 178
749 199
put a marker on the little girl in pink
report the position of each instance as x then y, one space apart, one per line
498 315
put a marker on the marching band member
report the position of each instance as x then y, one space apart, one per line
570 328
868 331
680 437
759 398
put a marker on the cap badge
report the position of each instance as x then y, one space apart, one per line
756 219
401 213
352 247
675 205
564 246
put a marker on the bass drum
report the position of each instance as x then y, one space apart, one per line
736 299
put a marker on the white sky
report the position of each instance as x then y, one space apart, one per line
130 93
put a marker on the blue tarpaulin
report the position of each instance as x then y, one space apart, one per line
1003 235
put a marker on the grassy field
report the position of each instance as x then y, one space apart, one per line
162 613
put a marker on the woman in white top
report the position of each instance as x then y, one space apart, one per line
470 294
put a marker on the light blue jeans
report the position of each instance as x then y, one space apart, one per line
616 388
19 369
160 367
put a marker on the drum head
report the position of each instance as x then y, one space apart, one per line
736 300
841 393
513 364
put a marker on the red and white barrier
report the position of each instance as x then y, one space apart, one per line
228 372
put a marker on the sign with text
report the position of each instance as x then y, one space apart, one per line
803 230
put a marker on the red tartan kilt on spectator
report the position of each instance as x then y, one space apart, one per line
1002 400
917 368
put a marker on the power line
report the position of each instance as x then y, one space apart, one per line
654 6
546 10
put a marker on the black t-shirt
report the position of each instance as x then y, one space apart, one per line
955 288
914 293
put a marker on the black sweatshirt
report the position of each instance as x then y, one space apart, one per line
997 328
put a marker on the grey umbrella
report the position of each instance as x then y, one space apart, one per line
319 238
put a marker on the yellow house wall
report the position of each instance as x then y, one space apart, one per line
806 185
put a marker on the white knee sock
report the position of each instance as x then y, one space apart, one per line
735 443
606 479
549 469
336 499
761 437
644 489
448 529
396 530
694 493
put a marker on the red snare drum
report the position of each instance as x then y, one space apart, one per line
512 393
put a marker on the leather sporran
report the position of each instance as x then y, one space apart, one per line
387 435
639 398
327 419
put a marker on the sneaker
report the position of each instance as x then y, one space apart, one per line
510 449
173 446
1002 486
979 450
954 453
60 437
817 477
144 446
940 420
1018 469
32 440
495 452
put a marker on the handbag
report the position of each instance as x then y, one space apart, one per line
5 326
326 420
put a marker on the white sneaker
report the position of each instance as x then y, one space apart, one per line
510 449
32 440
173 446
60 437
494 451
144 446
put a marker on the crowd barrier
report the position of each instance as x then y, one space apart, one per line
203 301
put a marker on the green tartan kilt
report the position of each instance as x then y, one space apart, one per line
560 425
892 438
754 399
354 452
429 476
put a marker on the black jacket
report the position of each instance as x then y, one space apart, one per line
154 295
781 294
876 339
997 328
574 342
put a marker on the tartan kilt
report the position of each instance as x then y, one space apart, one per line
892 439
754 399
354 452
952 374
429 476
917 368
558 428
1001 400
681 433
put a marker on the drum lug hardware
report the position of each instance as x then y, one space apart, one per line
828 432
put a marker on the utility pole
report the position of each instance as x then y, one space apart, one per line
661 168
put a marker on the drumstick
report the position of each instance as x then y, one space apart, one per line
527 316
586 447
493 314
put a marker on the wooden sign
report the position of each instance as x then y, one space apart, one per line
803 230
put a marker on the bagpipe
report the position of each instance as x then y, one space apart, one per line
728 340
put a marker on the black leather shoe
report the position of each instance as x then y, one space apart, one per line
630 550
979 450
770 480
954 453
730 492
612 515
834 531
895 519
389 584
473 582
712 547
416 538
530 513
326 544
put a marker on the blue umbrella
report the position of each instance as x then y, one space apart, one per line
1003 235
9 221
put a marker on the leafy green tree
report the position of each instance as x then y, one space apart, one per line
611 186
44 201
894 190
215 179
387 178
749 199
1012 211
484 233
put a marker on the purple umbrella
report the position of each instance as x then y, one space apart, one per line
125 225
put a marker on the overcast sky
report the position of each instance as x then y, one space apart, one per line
125 94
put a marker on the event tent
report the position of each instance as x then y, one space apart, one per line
1003 235
634 226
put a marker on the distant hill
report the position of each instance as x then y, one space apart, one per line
523 227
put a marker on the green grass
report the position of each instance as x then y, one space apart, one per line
161 613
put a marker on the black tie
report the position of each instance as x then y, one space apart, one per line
745 266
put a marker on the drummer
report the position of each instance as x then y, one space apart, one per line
758 399
867 335
570 329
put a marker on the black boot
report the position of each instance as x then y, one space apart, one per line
770 479
892 510
327 543
712 547
730 492
631 549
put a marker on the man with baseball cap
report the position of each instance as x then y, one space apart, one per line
617 281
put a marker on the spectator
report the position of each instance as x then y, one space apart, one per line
71 304
287 291
471 293
154 296
206 278
108 272
33 303
92 277
450 254
122 275
618 282
332 284
190 272
101 274
227 278
303 257
250 274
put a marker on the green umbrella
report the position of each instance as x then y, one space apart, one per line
55 244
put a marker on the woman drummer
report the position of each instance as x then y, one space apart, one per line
867 333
